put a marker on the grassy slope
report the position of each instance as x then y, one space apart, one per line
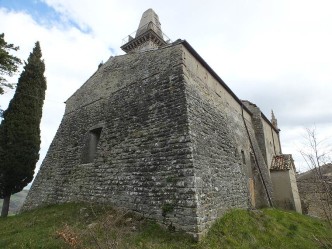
81 226
269 228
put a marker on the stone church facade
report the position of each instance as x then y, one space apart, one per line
157 131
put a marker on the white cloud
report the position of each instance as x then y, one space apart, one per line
296 140
276 54
70 57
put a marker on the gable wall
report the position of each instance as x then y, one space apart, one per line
144 157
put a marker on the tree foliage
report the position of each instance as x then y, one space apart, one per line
8 63
20 129
316 154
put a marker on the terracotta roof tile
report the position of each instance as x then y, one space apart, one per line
282 162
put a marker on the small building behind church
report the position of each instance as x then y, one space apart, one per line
157 131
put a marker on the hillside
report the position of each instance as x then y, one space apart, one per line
326 171
316 195
84 226
16 201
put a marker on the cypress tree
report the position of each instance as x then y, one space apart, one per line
8 62
20 129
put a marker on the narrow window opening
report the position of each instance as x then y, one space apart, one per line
243 157
90 150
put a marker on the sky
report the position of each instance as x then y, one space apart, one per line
276 54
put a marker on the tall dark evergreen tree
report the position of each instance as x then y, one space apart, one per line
20 129
8 62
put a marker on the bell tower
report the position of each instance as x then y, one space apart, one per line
148 35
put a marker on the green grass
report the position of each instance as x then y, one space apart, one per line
268 228
83 226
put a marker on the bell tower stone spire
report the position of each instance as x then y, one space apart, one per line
274 121
148 35
149 20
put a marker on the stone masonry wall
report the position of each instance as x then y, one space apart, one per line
144 158
272 143
258 127
264 191
218 135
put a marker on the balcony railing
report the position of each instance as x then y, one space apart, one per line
142 30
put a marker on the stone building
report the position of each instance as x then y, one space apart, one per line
157 131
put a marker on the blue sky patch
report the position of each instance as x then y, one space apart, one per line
40 12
